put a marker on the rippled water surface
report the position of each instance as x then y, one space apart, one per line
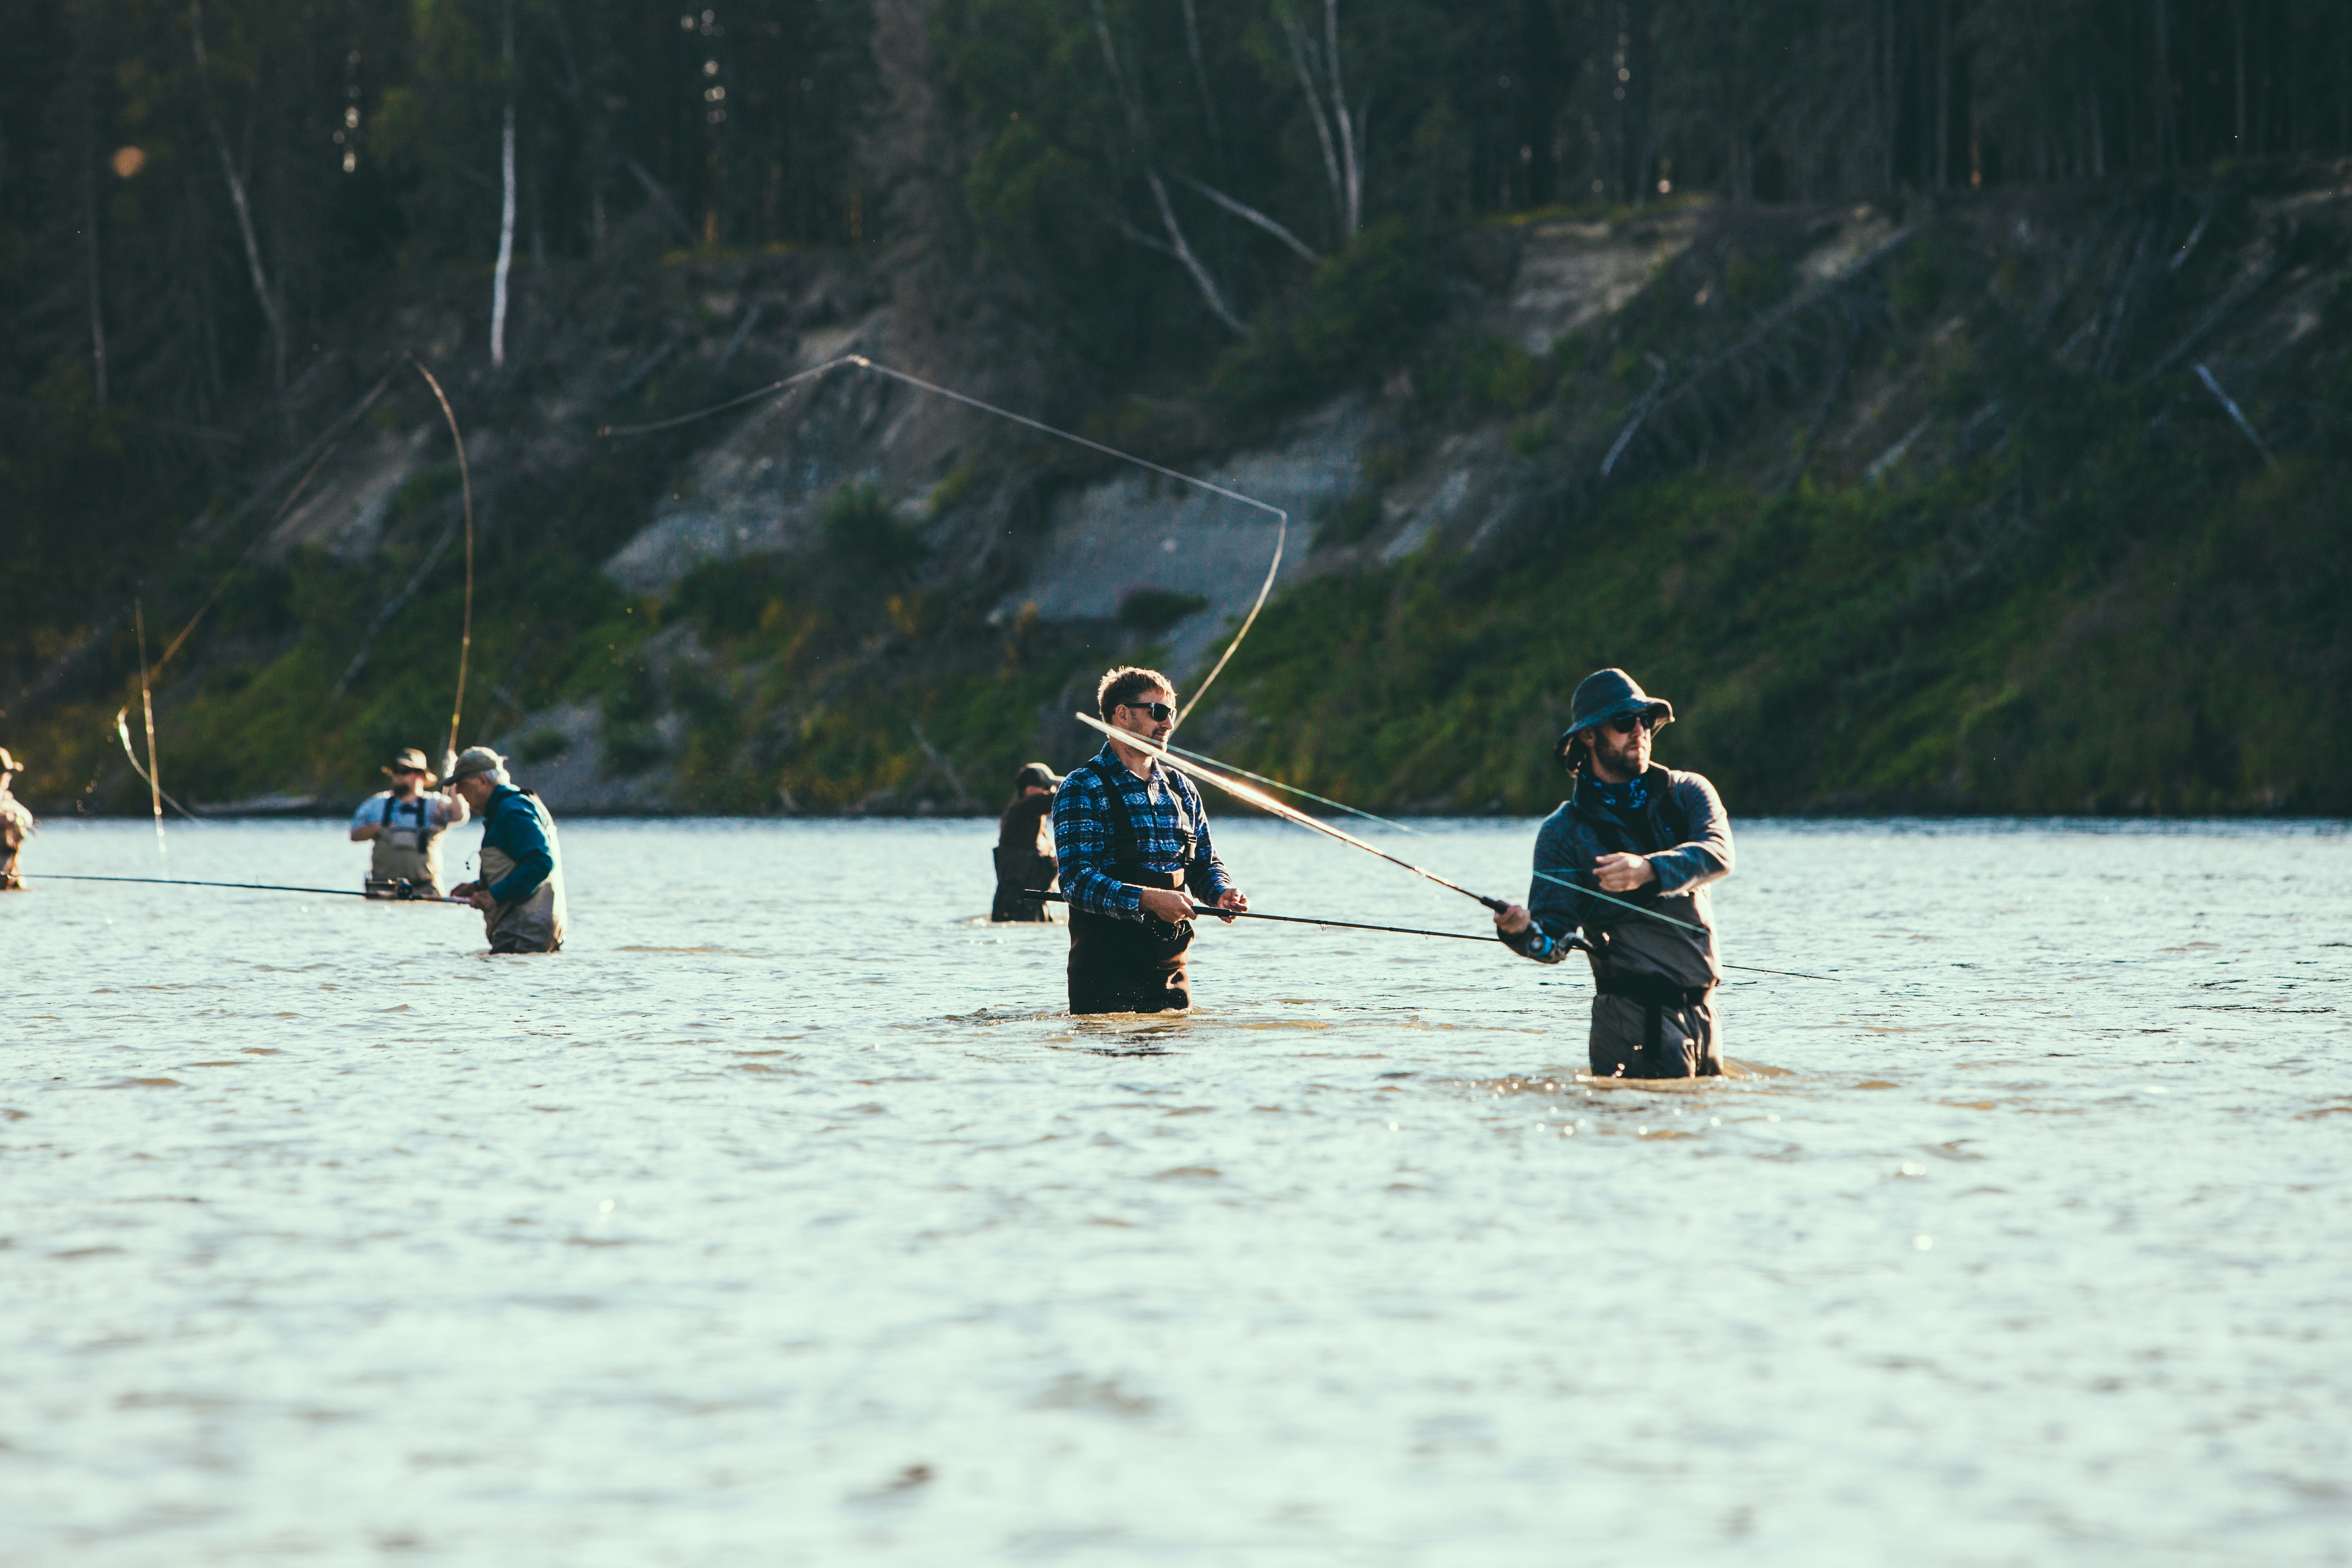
784 1219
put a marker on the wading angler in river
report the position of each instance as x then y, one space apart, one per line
1025 848
1131 836
403 826
521 893
1651 839
15 823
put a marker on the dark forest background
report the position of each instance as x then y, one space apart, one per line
196 197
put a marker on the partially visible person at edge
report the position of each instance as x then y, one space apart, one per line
1649 837
1024 847
521 893
404 825
15 823
1132 839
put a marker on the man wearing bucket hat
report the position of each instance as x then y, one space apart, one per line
403 828
15 823
521 893
1652 839
1024 847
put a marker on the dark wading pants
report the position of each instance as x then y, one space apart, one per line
1647 1028
1130 966
1018 872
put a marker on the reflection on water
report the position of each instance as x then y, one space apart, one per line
785 1218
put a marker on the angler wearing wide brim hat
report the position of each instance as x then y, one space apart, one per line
520 890
16 823
403 826
1025 848
1651 839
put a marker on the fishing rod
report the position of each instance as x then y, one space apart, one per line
466 630
859 362
1294 789
1312 920
407 893
1298 816
1266 803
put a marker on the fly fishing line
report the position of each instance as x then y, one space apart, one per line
859 362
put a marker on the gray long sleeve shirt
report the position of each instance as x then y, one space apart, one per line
1685 834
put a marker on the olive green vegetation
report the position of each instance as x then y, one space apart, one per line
2098 619
829 687
288 720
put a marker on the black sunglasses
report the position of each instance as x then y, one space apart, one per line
1160 711
1626 723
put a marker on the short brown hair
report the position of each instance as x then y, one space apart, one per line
1124 685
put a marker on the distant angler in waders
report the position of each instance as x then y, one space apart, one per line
15 823
1132 839
521 893
1648 837
403 826
1024 847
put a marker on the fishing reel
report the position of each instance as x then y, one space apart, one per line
397 888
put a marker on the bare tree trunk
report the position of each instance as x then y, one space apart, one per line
1175 245
1250 215
505 210
1350 135
261 290
1322 125
1201 78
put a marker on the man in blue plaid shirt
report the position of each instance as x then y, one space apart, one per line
1133 843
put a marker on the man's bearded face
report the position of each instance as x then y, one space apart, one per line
1626 756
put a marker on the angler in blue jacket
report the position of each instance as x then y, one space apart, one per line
521 893
1651 839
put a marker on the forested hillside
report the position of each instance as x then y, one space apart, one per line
1945 401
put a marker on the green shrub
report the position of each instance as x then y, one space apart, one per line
1348 520
1150 610
1754 283
1360 305
859 529
1918 287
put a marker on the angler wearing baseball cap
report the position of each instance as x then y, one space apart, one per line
1651 839
1024 847
521 893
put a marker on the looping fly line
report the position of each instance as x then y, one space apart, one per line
859 362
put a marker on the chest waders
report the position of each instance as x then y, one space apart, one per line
1646 1021
406 848
1133 967
534 922
1024 868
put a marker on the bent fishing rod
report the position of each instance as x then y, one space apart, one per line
407 893
1266 803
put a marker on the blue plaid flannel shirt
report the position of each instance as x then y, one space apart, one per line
1163 803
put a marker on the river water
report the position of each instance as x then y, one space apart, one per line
784 1219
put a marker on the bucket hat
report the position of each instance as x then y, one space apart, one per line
1037 773
411 758
1607 694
